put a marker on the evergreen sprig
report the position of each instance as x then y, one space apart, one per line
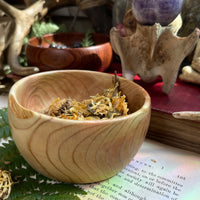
4 124
87 40
29 184
39 29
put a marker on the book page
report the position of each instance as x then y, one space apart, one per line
157 172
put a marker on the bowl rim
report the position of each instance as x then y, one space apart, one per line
146 106
69 48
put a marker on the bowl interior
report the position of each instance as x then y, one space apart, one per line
68 39
37 92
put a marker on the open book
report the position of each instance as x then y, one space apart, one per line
181 133
157 172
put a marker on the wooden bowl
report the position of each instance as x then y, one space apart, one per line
70 150
96 58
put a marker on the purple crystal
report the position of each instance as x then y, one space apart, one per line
149 12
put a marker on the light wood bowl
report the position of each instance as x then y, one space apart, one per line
97 57
69 150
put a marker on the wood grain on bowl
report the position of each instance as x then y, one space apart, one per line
70 150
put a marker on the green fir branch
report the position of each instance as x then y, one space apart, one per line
4 124
39 29
87 40
29 184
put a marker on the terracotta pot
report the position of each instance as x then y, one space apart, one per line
71 150
97 57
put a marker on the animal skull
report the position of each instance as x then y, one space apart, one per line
152 51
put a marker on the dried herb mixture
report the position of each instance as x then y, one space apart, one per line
108 105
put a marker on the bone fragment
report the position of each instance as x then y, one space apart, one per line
190 75
189 115
152 51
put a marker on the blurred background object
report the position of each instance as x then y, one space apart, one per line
190 16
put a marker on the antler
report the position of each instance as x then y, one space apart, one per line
5 35
51 4
21 20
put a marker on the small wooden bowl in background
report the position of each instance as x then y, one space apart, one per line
97 57
70 150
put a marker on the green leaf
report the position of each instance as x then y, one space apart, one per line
40 29
87 41
4 115
4 124
29 184
23 60
61 197
62 28
26 40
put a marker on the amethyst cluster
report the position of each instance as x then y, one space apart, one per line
149 12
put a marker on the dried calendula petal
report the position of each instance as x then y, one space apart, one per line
5 184
108 105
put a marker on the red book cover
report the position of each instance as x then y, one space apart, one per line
182 97
164 127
